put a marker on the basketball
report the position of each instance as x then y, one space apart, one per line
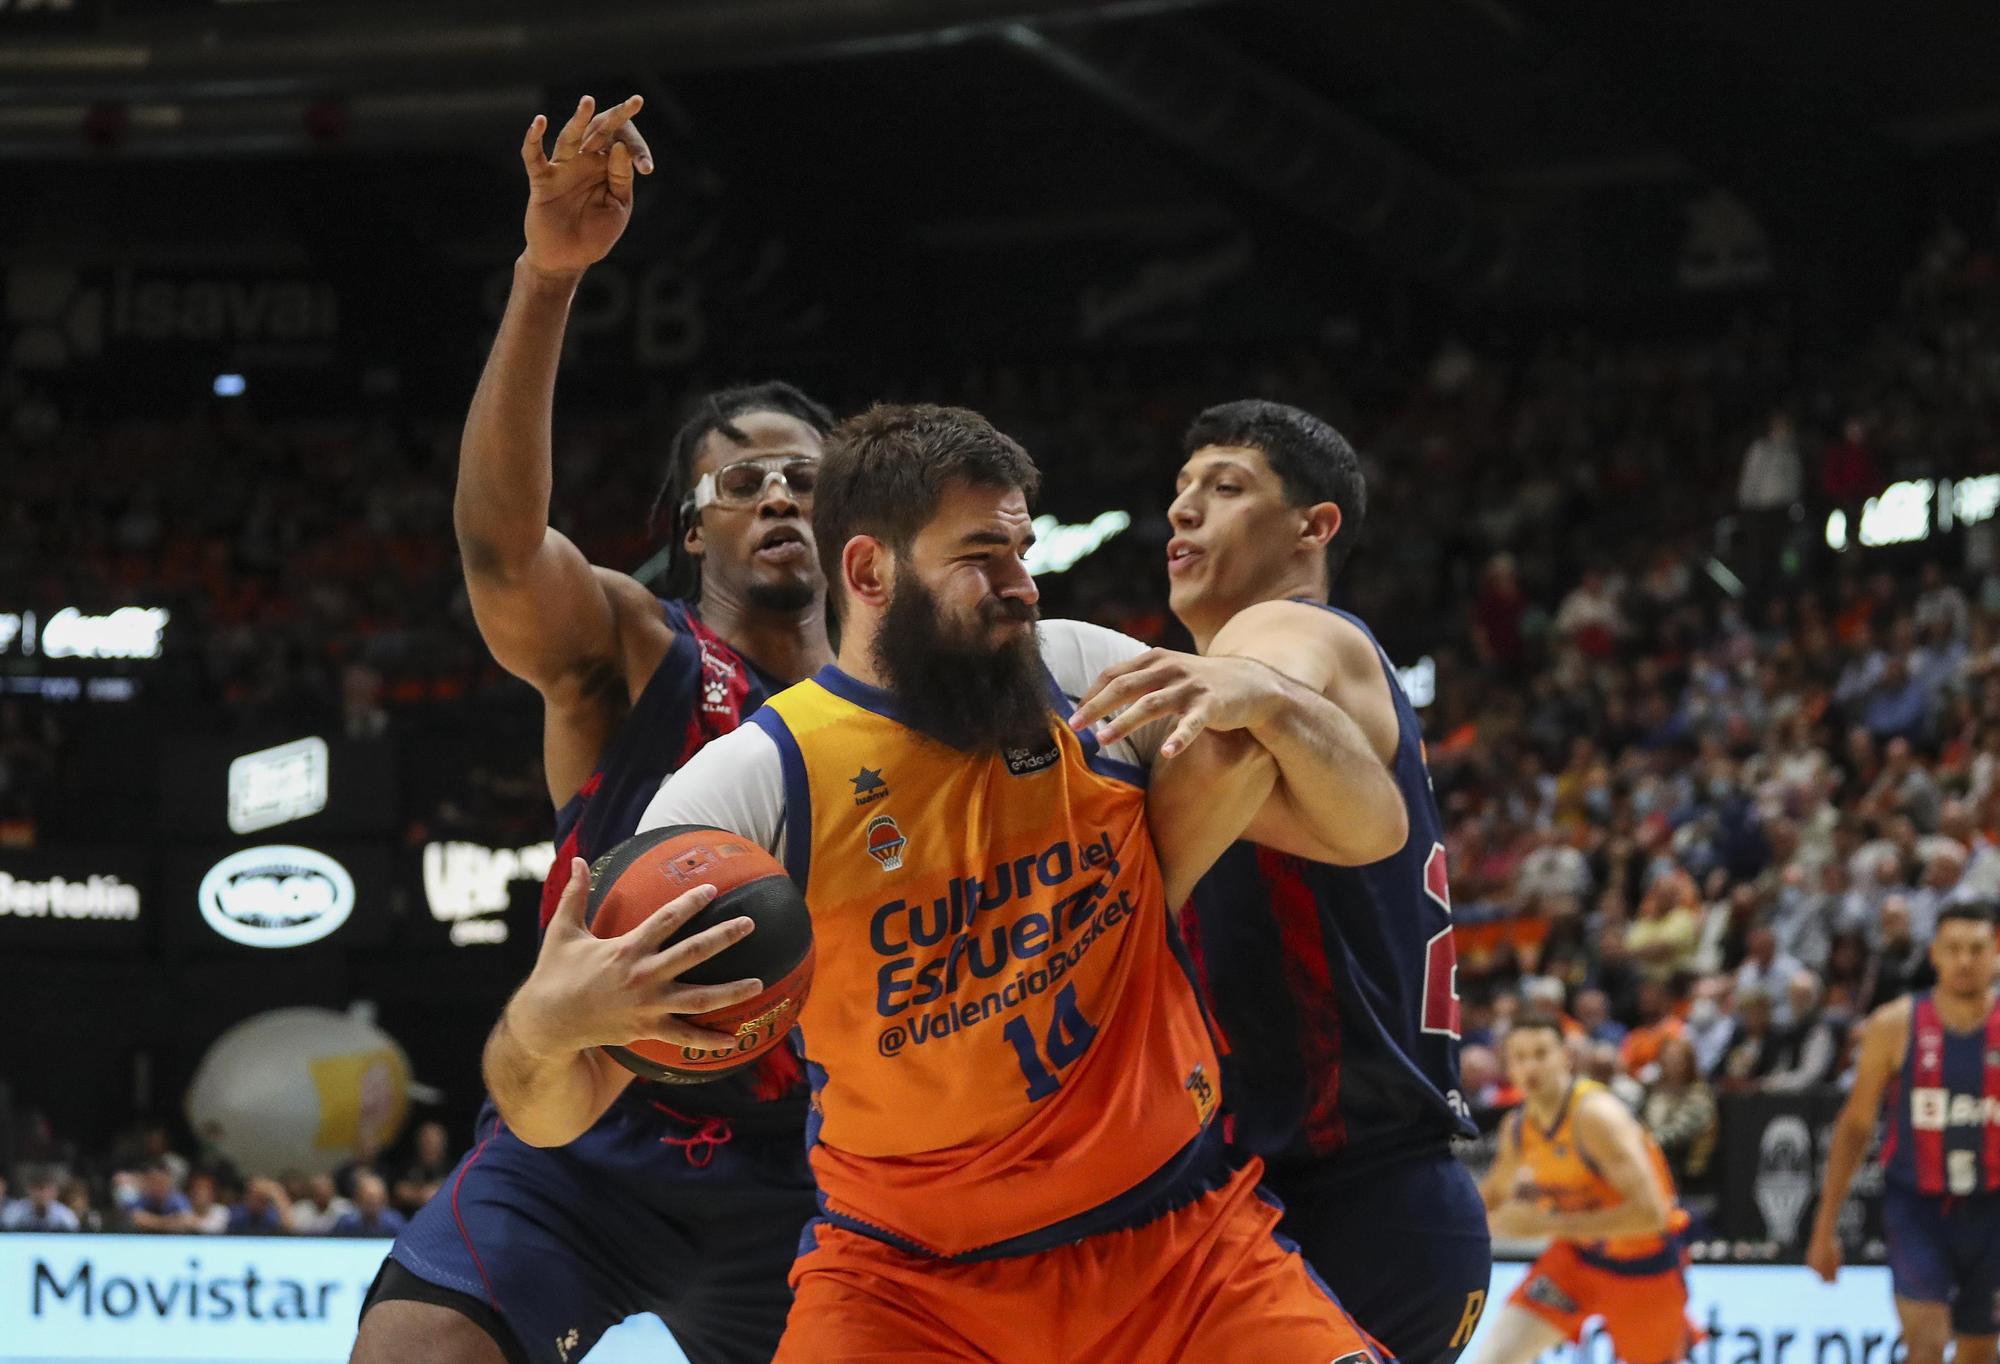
632 881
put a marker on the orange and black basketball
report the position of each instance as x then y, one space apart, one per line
644 872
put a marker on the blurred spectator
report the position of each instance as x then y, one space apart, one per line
433 1161
1805 1048
372 1215
1484 1081
1849 475
1753 1043
1769 488
320 1209
1599 1061
76 1197
158 1205
365 1160
1656 1025
1497 612
264 1211
1680 1111
39 1210
1765 969
1900 964
1664 936
1593 1011
206 1215
1710 1028
1589 616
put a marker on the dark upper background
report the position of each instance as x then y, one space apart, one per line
1502 243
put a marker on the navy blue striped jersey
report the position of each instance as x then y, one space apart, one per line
702 690
1333 987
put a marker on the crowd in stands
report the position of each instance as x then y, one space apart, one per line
147 1186
1707 780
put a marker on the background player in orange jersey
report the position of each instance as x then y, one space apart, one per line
1015 1094
1934 1058
1330 975
1574 1164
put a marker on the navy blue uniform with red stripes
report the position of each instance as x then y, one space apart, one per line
685 1201
1332 988
1941 1169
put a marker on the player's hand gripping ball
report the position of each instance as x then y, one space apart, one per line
644 872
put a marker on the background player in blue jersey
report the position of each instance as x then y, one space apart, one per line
1331 982
687 1201
1935 1058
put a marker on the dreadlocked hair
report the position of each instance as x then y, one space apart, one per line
673 509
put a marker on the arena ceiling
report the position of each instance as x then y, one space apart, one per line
1449 139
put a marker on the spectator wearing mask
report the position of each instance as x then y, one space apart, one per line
426 1171
1807 909
266 1210
1806 1049
40 1210
1679 1110
372 1215
1710 1029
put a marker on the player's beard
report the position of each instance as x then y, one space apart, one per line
972 696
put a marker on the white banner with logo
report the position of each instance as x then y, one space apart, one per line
218 1299
232 1300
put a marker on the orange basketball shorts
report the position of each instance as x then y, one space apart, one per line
1209 1281
1644 1313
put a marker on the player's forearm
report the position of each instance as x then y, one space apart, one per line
1200 802
504 476
1850 1144
1330 777
546 1093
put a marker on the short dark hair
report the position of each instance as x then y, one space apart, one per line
886 470
1538 1022
1967 912
1314 461
713 412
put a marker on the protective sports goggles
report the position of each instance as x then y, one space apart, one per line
742 484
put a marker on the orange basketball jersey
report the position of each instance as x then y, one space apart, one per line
1562 1179
1004 1051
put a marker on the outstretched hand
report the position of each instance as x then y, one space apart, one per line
580 196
